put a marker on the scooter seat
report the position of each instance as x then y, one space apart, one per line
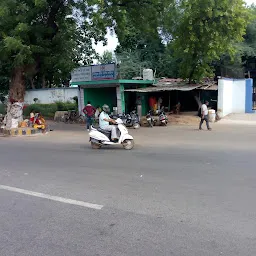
107 133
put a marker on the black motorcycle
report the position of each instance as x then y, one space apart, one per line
163 119
132 120
129 120
150 120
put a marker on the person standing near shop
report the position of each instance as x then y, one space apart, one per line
139 107
152 103
89 112
204 116
159 103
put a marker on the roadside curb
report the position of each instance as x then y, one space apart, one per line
21 132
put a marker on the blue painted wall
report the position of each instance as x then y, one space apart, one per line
248 95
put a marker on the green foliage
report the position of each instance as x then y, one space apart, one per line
106 57
75 99
233 66
204 31
64 106
151 53
4 78
46 39
48 110
139 49
130 64
144 15
248 47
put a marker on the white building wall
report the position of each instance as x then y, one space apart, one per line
239 96
47 96
231 96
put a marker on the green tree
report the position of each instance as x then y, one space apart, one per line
42 38
249 44
45 39
144 49
204 31
130 64
106 57
234 66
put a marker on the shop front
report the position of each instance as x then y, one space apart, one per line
187 97
99 85
112 93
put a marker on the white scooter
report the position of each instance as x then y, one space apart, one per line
99 137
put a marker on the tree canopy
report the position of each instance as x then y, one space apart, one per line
46 39
106 58
205 30
41 41
191 36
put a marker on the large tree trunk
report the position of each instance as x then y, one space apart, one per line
17 86
16 99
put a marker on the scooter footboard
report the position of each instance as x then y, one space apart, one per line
98 136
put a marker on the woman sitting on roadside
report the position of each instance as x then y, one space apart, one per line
40 122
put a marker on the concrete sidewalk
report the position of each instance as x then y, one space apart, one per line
241 119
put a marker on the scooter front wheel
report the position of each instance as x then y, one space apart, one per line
128 144
95 145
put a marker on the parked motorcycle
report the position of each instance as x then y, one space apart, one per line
163 119
150 120
72 116
129 120
132 120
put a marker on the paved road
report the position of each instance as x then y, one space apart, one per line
179 192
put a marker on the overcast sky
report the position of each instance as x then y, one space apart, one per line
113 41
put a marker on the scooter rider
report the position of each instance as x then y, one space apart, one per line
104 121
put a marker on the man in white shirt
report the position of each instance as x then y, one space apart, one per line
104 121
204 116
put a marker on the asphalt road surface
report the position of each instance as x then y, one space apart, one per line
179 192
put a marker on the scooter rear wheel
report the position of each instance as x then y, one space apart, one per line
128 144
95 145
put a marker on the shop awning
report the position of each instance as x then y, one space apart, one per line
212 87
165 88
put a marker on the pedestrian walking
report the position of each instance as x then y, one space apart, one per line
89 112
204 116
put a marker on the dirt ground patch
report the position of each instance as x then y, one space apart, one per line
182 119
